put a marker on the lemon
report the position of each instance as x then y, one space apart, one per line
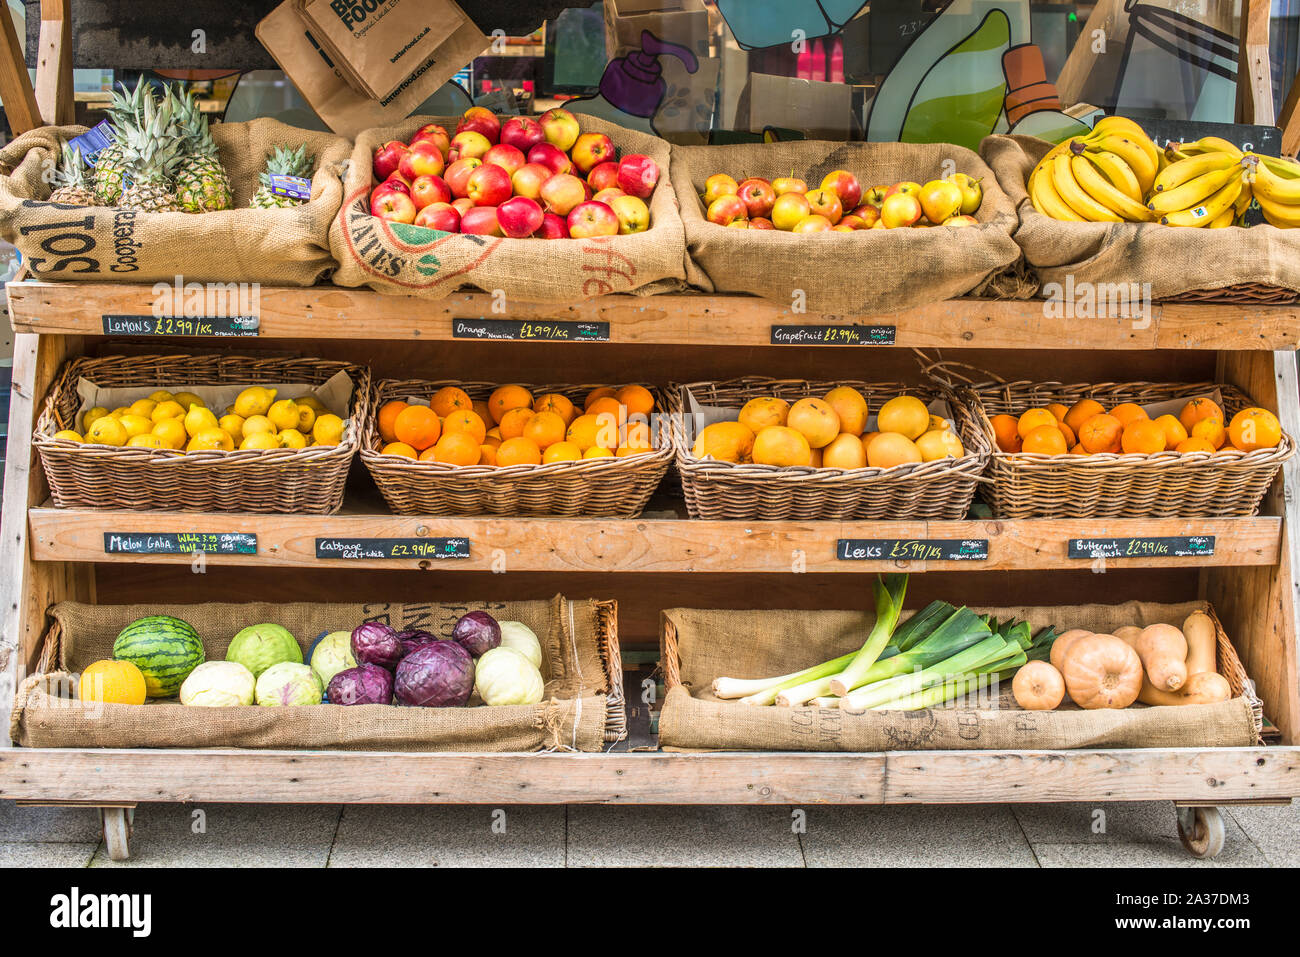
172 433
199 419
162 395
255 400
284 414
106 430
313 403
210 439
69 436
167 409
143 407
292 439
120 411
259 440
146 440
135 424
234 424
90 415
187 399
328 429
306 418
258 423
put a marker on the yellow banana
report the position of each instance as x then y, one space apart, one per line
1068 188
1279 214
1225 218
1143 164
1118 124
1285 168
1049 203
1193 192
1203 214
1119 173
1243 201
1211 144
1100 189
1275 188
1188 169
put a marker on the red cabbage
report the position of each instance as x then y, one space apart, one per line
364 684
414 638
439 675
374 643
477 632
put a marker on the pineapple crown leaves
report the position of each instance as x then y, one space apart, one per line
127 106
151 149
283 161
192 123
71 171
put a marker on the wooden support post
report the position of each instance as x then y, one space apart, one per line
15 85
1254 79
1289 120
54 65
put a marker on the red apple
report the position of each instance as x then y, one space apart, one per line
718 185
553 227
458 174
605 195
442 216
592 219
603 176
844 185
906 186
422 159
560 128
815 223
591 150
393 206
637 175
789 210
522 132
761 222
726 209
480 120
468 144
823 202
399 183
520 217
962 219
481 221
758 196
387 158
562 193
550 157
867 213
435 134
587 191
632 212
507 157
462 204
430 189
875 196
789 184
528 180
488 185
900 209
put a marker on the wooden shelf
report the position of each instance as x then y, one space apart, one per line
647 544
329 312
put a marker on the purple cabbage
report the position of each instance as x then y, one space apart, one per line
364 684
439 675
414 638
477 632
374 643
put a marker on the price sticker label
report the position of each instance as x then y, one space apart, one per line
221 326
825 335
524 330
1172 546
912 549
379 549
180 543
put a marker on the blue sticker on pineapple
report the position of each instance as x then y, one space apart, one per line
295 187
92 141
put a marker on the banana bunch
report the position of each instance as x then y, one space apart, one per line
1103 177
1276 188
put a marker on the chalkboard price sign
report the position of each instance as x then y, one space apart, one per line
376 549
220 326
524 330
180 543
912 549
825 335
1174 546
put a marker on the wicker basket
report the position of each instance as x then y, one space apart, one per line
306 480
1167 484
602 487
942 489
1248 293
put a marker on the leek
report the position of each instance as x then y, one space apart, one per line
956 686
745 687
921 625
1041 647
990 649
827 701
889 591
957 632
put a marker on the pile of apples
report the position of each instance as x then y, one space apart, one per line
840 204
544 178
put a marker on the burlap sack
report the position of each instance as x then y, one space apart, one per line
753 644
865 271
284 247
1173 260
572 716
412 260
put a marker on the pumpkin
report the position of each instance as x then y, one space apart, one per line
1198 629
1061 646
1038 687
1101 671
1204 687
1129 635
1163 651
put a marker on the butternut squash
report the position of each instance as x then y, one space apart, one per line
1202 643
1129 635
1038 686
1062 645
1163 651
1101 671
1204 687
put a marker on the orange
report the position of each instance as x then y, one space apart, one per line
1101 433
457 448
1212 431
1143 436
430 454
561 452
1034 419
623 451
1006 432
758 414
1081 412
466 420
638 437
113 682
784 446
889 449
481 407
493 436
1046 440
418 427
554 402
851 408
1194 445
904 414
513 422
940 444
1128 412
519 451
638 399
1070 437
816 420
1173 429
1057 410
450 399
816 458
596 452
844 452
725 441
398 448
1201 407
588 431
1253 429
607 405
487 455
1078 450
599 393
387 414
508 397
545 429
866 440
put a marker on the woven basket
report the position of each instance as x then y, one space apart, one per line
306 480
1246 293
941 489
604 487
1193 485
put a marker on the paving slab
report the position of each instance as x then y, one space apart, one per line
450 836
54 854
1100 822
1274 830
45 824
1158 851
688 836
954 835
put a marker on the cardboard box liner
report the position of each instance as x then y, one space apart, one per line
411 260
278 247
865 271
579 645
1173 260
754 644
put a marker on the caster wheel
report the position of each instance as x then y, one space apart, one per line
117 831
1202 831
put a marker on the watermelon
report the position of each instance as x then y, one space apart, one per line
165 649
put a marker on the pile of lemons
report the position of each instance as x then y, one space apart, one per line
182 421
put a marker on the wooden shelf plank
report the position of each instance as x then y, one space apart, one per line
1205 775
334 313
645 544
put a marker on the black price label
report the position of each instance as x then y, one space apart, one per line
1173 546
180 543
530 330
383 548
833 335
912 549
224 326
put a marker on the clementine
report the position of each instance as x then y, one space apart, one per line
1173 429
1212 431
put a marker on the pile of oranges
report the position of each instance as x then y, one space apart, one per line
514 427
1087 428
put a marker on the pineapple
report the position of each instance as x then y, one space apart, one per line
282 161
202 184
150 154
70 180
123 114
